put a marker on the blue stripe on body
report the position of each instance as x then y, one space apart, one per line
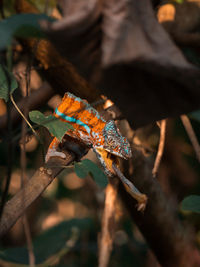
72 119
88 106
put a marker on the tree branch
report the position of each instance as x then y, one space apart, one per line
16 207
160 147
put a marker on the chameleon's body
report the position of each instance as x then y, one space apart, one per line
92 130
103 137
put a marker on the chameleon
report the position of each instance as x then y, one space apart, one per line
102 136
91 129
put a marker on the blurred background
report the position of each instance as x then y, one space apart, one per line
63 226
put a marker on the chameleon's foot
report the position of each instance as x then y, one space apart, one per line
54 153
142 202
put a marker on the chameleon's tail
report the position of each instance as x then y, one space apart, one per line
131 189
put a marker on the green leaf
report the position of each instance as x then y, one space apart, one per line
55 126
80 170
40 5
97 173
191 203
49 243
86 167
21 25
7 80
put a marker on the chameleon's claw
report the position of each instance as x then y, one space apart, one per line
141 206
54 153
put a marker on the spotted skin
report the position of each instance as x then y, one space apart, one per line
91 129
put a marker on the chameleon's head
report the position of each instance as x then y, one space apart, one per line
114 146
114 142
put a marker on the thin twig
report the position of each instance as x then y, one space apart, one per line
28 240
36 99
21 113
188 127
160 147
25 222
108 224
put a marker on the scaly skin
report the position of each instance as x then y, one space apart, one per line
103 137
91 129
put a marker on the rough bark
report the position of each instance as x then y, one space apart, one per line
16 206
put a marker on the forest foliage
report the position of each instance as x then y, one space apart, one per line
82 222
